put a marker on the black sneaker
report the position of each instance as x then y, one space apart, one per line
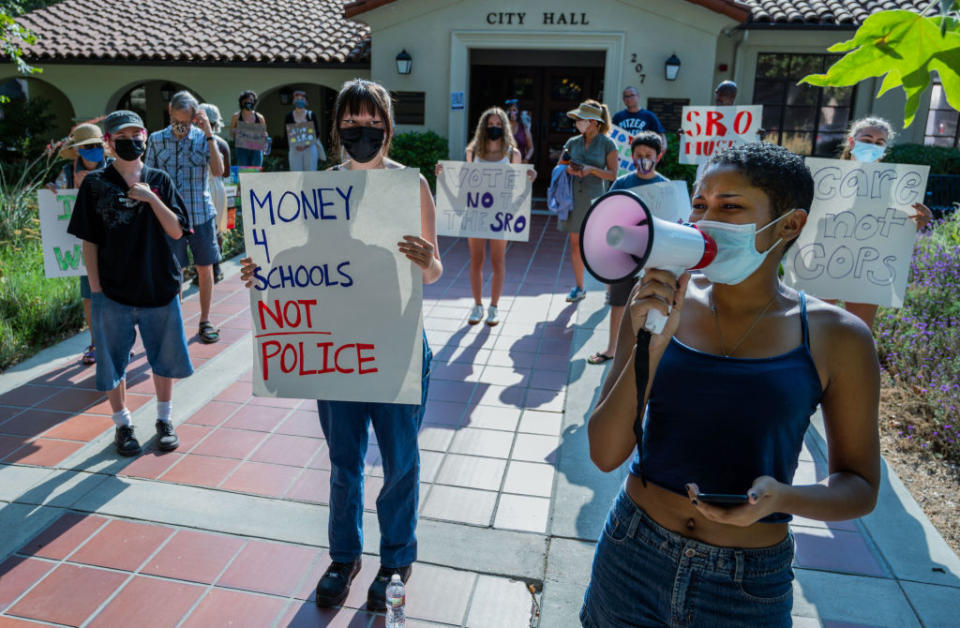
217 274
334 584
377 593
125 442
167 439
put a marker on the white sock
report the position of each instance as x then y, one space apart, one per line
122 417
163 410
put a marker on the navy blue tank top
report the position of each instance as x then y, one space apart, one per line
722 422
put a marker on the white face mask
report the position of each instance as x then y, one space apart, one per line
737 254
866 152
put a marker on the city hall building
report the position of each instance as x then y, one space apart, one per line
447 60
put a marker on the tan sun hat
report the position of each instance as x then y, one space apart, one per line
587 112
82 135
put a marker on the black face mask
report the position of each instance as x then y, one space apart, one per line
362 143
494 132
129 150
249 106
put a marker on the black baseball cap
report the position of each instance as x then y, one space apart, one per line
121 120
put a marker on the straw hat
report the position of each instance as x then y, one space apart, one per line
82 135
587 112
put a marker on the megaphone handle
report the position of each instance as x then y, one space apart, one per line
656 320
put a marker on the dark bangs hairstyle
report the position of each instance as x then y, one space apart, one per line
781 174
646 138
362 96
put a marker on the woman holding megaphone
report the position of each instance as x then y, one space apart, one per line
717 405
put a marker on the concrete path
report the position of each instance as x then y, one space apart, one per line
231 528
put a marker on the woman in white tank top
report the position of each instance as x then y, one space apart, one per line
492 143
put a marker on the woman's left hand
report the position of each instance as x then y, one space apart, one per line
923 215
531 175
417 250
763 496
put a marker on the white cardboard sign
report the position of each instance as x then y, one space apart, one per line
62 252
707 130
484 200
858 240
667 200
336 307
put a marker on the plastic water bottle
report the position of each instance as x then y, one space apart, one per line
396 599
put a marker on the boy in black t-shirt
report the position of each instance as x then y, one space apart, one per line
125 214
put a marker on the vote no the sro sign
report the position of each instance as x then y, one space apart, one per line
484 200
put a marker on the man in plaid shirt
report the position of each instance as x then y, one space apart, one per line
183 150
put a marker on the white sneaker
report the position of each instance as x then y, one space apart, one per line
492 316
476 315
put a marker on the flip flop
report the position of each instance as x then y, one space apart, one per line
89 355
208 333
599 358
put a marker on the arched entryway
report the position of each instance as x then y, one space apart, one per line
150 100
275 103
37 113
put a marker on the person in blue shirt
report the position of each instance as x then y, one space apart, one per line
646 149
634 118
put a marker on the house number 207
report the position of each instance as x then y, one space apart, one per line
637 67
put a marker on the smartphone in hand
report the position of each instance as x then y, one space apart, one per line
722 499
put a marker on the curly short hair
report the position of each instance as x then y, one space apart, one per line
781 174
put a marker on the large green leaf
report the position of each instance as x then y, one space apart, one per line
903 47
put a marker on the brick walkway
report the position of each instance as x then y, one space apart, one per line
230 528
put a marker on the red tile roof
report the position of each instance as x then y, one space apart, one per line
309 32
823 12
257 32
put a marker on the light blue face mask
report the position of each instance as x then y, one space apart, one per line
300 103
737 254
866 152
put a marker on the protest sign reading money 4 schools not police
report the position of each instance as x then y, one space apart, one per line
708 130
62 252
484 200
336 307
858 240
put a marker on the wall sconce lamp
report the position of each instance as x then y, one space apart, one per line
672 67
404 62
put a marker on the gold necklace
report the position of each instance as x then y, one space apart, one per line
716 319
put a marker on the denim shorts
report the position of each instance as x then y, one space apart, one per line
203 245
163 339
646 575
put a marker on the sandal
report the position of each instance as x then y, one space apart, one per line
208 333
599 358
89 355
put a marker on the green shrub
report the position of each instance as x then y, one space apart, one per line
941 160
671 169
23 134
420 150
35 312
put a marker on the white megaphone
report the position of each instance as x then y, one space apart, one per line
620 236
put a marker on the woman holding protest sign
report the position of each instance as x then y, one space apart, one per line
592 160
303 156
717 405
491 143
363 128
867 141
247 115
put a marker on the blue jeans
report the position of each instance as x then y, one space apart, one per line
344 425
646 575
161 329
249 157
